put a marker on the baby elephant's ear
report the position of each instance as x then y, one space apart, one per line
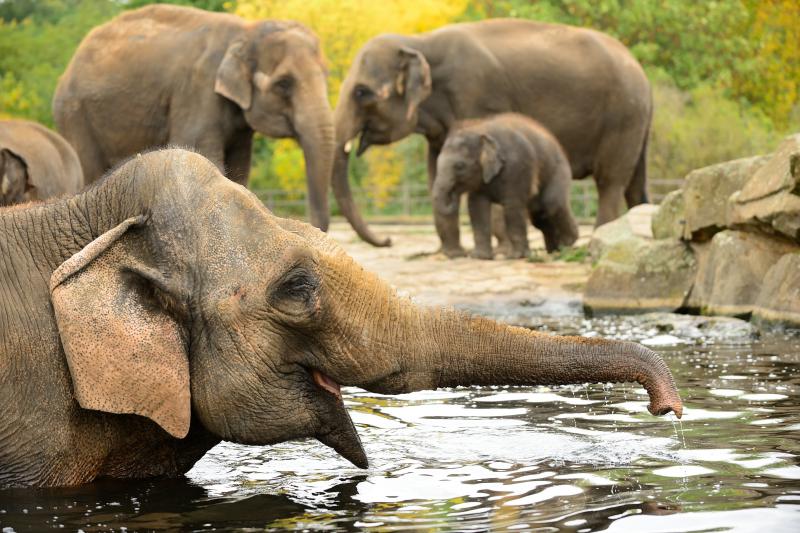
125 353
491 159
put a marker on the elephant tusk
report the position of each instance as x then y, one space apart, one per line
348 146
325 382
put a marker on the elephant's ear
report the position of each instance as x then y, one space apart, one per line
234 76
491 160
414 79
14 178
125 353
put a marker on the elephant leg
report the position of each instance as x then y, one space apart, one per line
237 157
613 172
480 208
550 212
517 228
446 225
499 230
80 135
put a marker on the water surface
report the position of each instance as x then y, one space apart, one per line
517 458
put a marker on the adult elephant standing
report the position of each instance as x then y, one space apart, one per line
168 75
582 85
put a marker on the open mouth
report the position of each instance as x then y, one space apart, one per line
325 382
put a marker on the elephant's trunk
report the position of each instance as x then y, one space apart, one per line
396 347
314 126
445 200
347 128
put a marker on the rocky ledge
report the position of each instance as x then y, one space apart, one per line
726 243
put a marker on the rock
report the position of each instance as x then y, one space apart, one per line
700 329
779 298
638 274
670 219
637 222
770 200
706 193
729 280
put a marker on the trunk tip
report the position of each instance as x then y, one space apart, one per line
657 408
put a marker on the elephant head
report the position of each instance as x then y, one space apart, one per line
15 187
276 74
379 100
468 160
202 302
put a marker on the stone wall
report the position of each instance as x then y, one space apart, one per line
726 243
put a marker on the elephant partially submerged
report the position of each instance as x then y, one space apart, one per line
170 75
35 163
584 86
165 308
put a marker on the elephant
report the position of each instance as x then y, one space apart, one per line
511 160
170 75
585 87
164 309
36 163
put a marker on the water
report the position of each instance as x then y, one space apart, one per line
572 459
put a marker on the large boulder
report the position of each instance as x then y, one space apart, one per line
770 200
637 222
706 193
670 219
779 299
639 274
730 277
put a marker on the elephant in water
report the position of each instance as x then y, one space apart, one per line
165 308
35 163
169 75
584 86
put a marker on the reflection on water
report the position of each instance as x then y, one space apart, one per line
520 458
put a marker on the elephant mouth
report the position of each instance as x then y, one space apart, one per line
326 383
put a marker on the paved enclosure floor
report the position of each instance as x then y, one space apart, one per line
495 288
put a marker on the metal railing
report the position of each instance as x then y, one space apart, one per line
412 199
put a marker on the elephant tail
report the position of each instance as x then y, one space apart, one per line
636 192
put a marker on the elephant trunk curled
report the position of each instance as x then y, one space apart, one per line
396 347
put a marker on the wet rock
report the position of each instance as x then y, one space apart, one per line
729 280
638 274
703 329
706 193
779 298
636 223
770 200
670 219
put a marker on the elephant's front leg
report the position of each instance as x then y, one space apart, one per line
237 157
446 225
480 216
517 229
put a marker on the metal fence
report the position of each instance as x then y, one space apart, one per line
412 199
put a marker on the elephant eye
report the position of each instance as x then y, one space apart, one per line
284 85
296 293
460 165
362 93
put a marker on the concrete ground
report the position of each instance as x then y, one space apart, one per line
514 290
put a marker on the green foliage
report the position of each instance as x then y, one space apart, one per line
693 129
35 51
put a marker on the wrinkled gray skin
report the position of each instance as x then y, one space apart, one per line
168 75
35 163
583 86
165 308
510 160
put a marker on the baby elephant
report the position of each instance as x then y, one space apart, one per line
511 160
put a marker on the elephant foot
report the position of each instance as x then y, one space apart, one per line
453 253
481 254
518 254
